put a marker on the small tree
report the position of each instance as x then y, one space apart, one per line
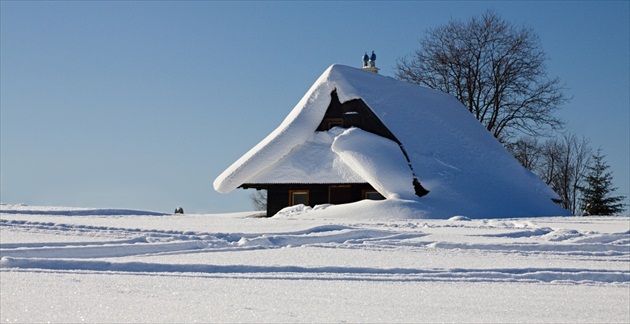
259 199
596 198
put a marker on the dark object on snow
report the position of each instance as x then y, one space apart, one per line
179 210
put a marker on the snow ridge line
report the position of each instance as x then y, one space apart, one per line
151 242
61 227
50 226
146 241
104 251
83 212
606 249
141 239
543 275
153 235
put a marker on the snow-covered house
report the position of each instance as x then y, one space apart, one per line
359 135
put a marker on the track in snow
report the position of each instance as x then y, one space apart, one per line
123 242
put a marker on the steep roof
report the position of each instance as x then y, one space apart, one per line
466 170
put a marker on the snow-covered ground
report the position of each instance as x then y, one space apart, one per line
309 265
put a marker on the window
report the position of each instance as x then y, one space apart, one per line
334 122
297 197
372 194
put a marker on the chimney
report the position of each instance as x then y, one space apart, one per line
369 63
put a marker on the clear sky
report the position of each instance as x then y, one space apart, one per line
141 104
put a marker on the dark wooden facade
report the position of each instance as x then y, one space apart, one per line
282 195
353 113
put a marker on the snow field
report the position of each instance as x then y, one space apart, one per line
311 265
120 297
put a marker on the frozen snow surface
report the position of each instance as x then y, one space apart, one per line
465 169
363 262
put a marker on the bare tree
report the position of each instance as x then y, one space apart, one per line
259 199
579 160
572 161
527 151
561 162
495 69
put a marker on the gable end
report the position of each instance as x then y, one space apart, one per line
355 113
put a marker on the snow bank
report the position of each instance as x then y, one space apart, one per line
72 211
384 210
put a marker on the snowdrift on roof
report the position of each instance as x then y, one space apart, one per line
378 160
466 170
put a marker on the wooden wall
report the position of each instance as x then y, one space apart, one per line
279 195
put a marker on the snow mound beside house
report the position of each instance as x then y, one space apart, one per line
465 169
384 210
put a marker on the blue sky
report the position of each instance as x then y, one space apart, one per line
142 104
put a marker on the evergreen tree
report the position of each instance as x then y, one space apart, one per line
596 199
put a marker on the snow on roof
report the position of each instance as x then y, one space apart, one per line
466 170
312 161
378 160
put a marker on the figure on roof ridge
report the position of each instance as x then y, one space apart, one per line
369 63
